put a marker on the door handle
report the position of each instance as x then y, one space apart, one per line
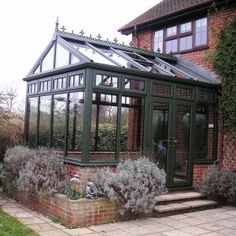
174 142
169 141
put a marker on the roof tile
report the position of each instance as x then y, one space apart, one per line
164 8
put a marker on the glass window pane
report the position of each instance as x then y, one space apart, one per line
201 32
74 59
45 86
103 127
33 114
171 46
186 27
62 56
59 83
91 54
76 80
162 89
116 57
160 125
48 61
186 43
204 132
106 80
171 31
158 40
134 84
75 125
37 70
131 138
183 121
59 113
186 93
44 121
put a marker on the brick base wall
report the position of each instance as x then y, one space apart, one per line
198 171
75 213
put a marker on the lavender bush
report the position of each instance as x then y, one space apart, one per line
134 185
218 184
44 174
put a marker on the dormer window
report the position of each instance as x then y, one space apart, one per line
183 37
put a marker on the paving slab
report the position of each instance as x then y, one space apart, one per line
213 222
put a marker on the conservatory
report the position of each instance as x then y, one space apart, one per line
99 102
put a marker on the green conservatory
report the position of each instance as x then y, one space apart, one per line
99 102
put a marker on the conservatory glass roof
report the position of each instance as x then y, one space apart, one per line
66 49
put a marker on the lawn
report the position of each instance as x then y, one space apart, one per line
10 226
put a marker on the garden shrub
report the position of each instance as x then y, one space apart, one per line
14 160
218 184
38 172
133 186
44 174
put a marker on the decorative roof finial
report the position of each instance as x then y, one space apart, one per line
81 33
63 28
115 40
99 37
57 25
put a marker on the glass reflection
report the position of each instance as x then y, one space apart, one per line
131 136
59 114
160 133
75 125
44 121
33 116
104 125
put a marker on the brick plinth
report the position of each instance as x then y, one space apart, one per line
198 171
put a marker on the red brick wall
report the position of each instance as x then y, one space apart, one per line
74 213
198 171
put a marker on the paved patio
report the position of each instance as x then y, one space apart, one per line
213 222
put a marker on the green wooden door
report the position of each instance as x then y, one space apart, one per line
171 140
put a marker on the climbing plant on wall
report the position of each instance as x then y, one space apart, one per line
225 66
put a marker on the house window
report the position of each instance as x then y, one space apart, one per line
171 46
201 32
181 37
158 40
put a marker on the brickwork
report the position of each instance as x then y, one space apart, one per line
198 171
75 213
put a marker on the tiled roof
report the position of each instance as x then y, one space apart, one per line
163 9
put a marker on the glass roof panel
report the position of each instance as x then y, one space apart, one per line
92 54
116 57
37 70
48 61
74 59
62 56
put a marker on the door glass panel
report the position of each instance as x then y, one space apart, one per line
160 133
181 143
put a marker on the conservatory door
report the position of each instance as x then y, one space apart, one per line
171 132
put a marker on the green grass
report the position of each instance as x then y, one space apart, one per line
10 226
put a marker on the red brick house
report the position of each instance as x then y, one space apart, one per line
189 29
